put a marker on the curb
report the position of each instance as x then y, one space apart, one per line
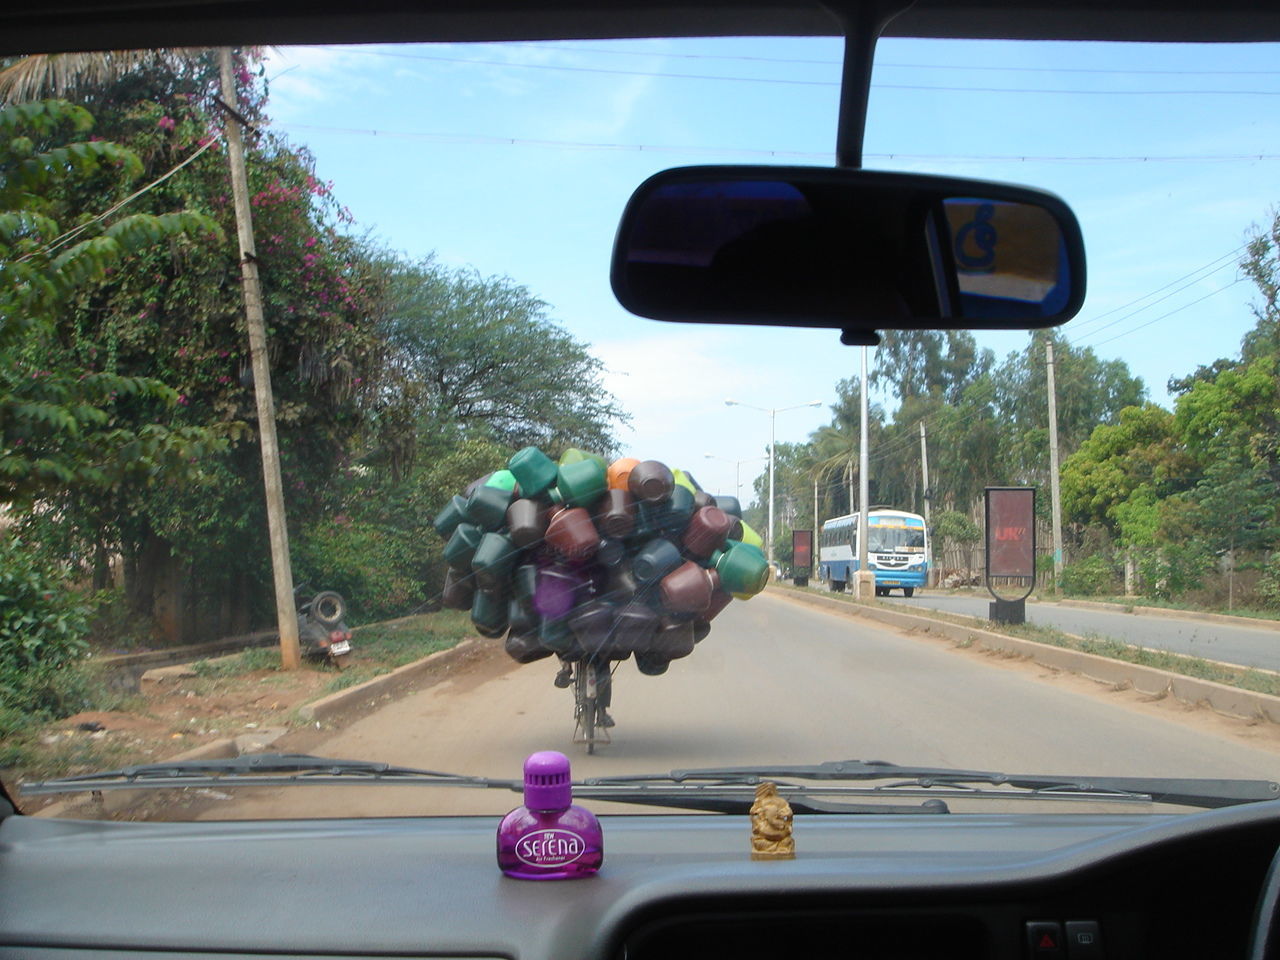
1224 699
1171 613
380 687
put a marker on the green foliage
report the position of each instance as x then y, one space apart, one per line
1091 577
61 426
952 528
1268 589
479 355
378 568
1174 568
248 661
43 623
1136 460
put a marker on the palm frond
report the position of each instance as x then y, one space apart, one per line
60 74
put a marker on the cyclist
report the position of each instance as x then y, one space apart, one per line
604 685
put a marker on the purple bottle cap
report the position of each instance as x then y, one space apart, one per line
546 781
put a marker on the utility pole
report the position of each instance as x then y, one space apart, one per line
924 469
866 579
278 532
816 522
1054 492
773 419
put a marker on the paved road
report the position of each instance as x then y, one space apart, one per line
1229 643
777 681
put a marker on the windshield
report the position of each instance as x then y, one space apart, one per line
895 536
487 469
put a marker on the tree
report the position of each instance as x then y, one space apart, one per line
929 363
1140 456
62 428
1090 391
177 320
467 353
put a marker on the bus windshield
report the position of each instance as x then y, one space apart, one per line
895 538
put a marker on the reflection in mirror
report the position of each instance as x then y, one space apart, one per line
1009 258
852 249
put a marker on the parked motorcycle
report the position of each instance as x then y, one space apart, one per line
322 629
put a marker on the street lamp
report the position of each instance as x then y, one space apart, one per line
737 469
773 413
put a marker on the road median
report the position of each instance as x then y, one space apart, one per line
1224 698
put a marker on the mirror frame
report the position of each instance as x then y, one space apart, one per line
856 329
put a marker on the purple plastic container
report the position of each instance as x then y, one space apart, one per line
549 838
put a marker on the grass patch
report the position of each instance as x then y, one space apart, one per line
381 648
1244 678
1129 603
247 661
66 755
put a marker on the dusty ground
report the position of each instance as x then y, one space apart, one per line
176 716
182 708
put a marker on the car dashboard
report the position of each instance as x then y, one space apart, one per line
870 886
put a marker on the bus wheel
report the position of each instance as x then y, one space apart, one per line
837 586
908 591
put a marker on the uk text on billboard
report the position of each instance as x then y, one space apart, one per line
1011 536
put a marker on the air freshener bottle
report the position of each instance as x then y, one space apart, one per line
549 838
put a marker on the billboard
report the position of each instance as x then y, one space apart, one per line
801 549
1011 532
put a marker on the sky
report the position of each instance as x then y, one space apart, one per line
517 159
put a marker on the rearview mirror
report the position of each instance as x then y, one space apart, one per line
853 249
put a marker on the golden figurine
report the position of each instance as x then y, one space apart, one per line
771 825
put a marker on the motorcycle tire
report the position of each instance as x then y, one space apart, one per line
328 608
341 660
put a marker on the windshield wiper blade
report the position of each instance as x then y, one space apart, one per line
1195 792
259 769
737 798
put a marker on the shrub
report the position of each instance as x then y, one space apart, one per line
43 623
1171 570
1267 592
1091 577
376 568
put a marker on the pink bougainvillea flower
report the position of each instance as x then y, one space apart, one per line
182 399
166 123
311 242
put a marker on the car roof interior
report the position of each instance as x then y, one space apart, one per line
61 25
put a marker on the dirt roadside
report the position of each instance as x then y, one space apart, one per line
183 708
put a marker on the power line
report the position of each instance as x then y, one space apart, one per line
789 81
1125 306
492 140
742 58
1171 293
1170 313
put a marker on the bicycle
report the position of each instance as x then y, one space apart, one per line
586 703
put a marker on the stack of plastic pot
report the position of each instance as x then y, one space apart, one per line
595 560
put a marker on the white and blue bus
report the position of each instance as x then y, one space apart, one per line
897 550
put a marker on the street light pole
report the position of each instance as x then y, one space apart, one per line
866 579
772 412
737 470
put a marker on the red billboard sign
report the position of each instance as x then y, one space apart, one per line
1011 532
801 549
